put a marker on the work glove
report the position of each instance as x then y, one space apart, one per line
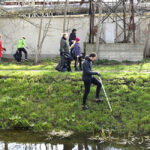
98 74
4 49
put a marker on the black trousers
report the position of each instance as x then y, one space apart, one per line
87 85
78 60
69 65
20 53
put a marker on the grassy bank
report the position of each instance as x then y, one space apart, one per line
100 65
47 100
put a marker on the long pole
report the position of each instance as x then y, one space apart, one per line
105 95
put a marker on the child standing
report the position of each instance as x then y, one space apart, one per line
78 54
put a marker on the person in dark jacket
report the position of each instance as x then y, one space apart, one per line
72 37
78 55
88 79
64 49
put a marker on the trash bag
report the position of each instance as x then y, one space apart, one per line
63 64
17 56
67 56
59 67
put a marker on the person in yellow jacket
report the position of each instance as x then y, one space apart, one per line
21 48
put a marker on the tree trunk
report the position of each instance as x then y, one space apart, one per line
38 43
99 25
65 14
92 15
147 44
124 21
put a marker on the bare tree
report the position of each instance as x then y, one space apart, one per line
41 38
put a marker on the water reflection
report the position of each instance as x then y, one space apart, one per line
43 146
48 146
19 140
16 146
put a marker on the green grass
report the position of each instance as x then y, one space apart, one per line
47 100
100 65
45 64
105 65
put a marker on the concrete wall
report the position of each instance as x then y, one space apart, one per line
119 52
13 28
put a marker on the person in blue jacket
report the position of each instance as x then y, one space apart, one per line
78 54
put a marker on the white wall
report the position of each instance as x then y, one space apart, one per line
13 29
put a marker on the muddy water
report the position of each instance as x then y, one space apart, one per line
25 140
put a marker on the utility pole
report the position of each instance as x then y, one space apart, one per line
99 25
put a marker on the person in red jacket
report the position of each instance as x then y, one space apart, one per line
1 48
